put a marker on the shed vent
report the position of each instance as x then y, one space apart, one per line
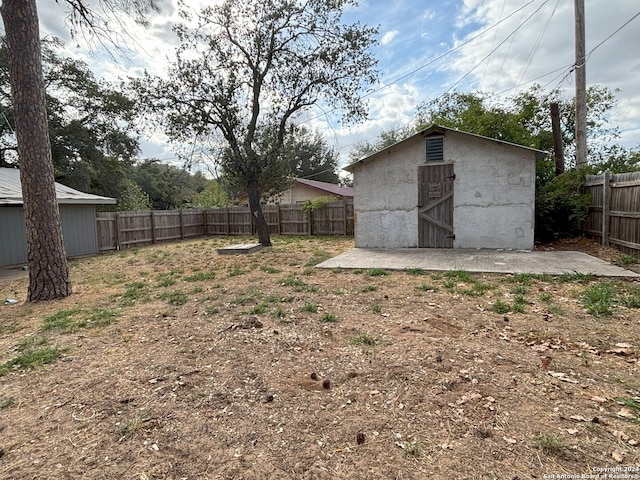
435 149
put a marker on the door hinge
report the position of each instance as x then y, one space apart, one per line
452 177
451 236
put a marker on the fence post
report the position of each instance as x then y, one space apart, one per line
181 225
279 217
606 201
153 227
344 215
117 225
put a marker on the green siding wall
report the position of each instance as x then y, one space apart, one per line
13 243
78 229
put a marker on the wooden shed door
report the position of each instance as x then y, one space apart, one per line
435 206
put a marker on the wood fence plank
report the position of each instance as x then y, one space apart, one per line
614 215
125 229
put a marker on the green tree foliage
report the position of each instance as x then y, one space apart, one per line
562 205
213 196
524 118
248 69
168 186
311 157
132 198
92 137
385 139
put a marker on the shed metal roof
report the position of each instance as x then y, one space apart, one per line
11 191
327 187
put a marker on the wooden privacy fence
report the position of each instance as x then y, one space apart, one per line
614 215
120 230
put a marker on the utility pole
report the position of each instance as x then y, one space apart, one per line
581 86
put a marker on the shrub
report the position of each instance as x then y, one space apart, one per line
562 205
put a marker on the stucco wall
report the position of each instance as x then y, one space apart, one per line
297 194
494 194
386 197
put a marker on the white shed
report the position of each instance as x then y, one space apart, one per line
77 216
443 188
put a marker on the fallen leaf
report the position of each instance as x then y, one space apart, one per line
620 434
623 345
509 440
626 413
568 380
616 456
599 399
620 351
572 431
578 418
561 376
633 443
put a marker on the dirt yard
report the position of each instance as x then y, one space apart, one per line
174 362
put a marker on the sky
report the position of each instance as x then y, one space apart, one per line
425 49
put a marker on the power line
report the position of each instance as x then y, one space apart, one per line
565 75
614 33
434 60
538 41
494 49
493 42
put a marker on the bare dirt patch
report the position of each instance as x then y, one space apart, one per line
174 362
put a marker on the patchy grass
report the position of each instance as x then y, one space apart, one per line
599 299
500 307
411 449
329 318
625 260
177 297
200 277
369 288
377 272
549 443
364 338
416 271
315 383
425 287
297 284
309 307
33 352
270 270
69 321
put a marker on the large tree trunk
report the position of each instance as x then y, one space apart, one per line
48 269
256 210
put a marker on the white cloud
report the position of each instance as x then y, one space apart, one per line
388 37
413 37
523 49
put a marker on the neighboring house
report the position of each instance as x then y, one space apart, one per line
302 190
77 215
443 188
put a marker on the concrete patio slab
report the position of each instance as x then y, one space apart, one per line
489 261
